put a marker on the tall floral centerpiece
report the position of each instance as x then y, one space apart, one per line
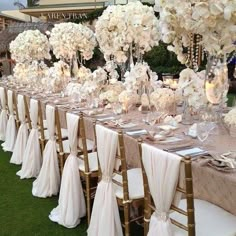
29 49
124 34
207 24
124 31
68 39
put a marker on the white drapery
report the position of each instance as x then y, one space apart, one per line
22 136
162 169
105 219
48 181
11 132
3 115
71 204
32 157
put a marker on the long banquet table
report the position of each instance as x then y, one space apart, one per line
212 185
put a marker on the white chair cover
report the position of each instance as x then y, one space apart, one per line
11 131
48 181
162 169
32 157
3 115
22 136
105 219
71 206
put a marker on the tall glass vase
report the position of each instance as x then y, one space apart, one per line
187 118
216 84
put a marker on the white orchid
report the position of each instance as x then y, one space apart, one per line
123 26
191 85
214 20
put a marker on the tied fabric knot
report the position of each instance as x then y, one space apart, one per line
34 126
162 216
74 152
106 179
52 138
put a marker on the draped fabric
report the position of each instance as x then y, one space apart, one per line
3 115
48 181
162 169
71 205
105 219
22 136
11 131
32 156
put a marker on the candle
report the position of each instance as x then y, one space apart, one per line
174 84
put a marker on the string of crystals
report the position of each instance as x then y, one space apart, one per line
194 52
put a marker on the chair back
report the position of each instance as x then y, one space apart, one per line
59 140
83 150
15 107
184 187
41 126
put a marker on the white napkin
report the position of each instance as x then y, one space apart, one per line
170 120
193 131
137 132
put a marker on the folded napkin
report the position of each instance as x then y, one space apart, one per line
170 120
137 132
193 131
106 118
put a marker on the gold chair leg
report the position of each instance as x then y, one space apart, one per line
88 198
42 142
61 162
127 218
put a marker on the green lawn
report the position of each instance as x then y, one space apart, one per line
23 214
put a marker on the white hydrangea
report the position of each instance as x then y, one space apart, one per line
68 38
230 117
30 45
162 98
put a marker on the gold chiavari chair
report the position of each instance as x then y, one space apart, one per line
128 186
88 167
27 112
15 106
41 127
61 152
187 191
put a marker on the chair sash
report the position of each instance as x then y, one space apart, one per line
3 115
105 219
71 206
48 181
32 157
162 169
11 131
22 136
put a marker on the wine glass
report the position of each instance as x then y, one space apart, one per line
203 130
117 108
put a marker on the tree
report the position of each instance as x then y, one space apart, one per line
32 3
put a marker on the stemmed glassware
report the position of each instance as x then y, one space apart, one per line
203 130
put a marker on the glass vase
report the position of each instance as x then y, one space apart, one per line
216 83
187 118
